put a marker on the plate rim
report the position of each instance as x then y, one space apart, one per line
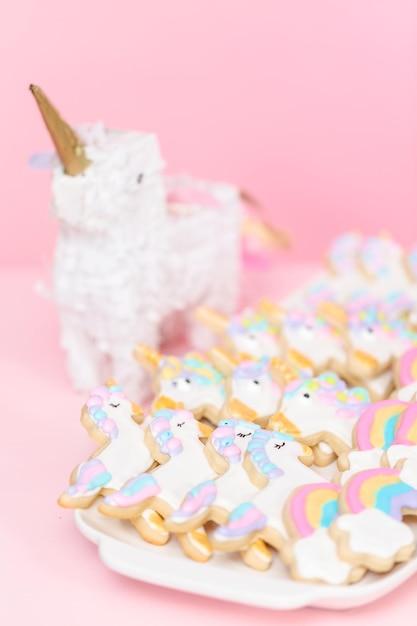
162 570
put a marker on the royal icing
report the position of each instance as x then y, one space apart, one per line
310 511
375 336
372 532
230 441
176 434
253 387
379 488
275 457
192 382
374 502
321 408
252 334
125 452
374 433
311 341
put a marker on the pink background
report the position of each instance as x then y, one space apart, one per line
49 574
310 104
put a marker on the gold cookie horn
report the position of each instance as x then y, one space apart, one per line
68 145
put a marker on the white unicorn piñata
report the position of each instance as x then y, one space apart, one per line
124 262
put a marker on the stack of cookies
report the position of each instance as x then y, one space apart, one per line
229 456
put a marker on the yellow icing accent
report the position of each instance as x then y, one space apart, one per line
199 539
171 368
212 319
137 410
205 430
238 409
282 424
384 414
366 359
154 519
299 359
333 313
163 402
342 396
371 486
147 356
283 369
412 433
314 504
262 551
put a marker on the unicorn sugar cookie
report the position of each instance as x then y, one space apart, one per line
385 434
246 335
173 437
370 531
190 382
214 500
311 553
274 462
112 420
310 342
321 409
254 389
373 338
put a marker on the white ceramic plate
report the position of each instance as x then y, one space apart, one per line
225 576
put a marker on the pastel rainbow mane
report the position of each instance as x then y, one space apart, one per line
194 366
223 439
330 389
95 404
313 506
160 427
258 455
298 319
377 425
407 367
252 369
377 317
380 488
250 321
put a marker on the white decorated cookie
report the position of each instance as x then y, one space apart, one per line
311 552
311 342
374 338
173 435
370 531
254 389
321 409
247 335
216 498
385 434
190 382
274 463
112 420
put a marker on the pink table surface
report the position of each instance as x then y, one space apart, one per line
50 574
